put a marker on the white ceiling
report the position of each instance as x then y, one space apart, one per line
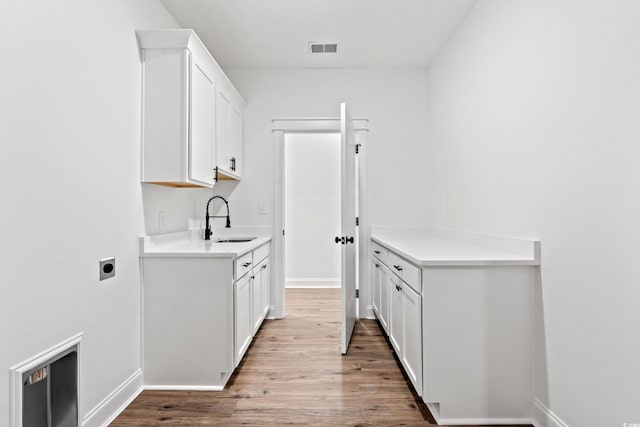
275 33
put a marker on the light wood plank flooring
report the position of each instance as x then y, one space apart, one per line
294 374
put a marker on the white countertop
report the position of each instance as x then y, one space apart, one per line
425 249
191 245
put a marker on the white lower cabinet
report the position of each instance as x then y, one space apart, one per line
200 315
399 310
406 329
385 295
256 301
411 348
188 322
242 296
380 285
375 282
265 284
435 316
252 297
261 290
395 322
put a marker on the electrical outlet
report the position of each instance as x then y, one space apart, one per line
162 215
107 268
262 208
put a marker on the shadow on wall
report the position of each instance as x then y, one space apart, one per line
168 209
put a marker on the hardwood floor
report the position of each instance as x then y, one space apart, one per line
294 374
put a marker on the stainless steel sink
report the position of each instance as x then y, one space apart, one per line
234 239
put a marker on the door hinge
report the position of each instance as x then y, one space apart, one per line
357 293
283 232
357 221
358 148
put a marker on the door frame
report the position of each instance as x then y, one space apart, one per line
280 127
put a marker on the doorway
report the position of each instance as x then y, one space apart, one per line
353 134
311 210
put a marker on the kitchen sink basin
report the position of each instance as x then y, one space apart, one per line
234 239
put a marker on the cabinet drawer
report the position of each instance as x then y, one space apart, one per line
261 253
243 264
408 272
380 252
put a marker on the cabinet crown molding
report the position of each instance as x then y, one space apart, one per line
186 38
166 39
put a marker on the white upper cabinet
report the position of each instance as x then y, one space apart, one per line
202 139
181 130
228 135
222 131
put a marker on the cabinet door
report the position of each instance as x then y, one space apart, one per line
375 285
222 130
412 336
256 299
266 286
235 140
385 298
243 323
395 321
202 114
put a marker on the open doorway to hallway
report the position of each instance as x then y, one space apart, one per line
312 210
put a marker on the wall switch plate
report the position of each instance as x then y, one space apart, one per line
107 268
262 208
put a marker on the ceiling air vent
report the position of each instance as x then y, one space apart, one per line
315 47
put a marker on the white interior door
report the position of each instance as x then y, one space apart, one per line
348 218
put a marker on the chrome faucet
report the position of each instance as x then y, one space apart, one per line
207 228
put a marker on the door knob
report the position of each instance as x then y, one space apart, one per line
350 239
339 240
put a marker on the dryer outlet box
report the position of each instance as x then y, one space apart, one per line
107 268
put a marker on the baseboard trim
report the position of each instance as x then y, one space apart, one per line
484 421
544 417
111 406
126 393
273 314
311 282
369 313
434 408
184 387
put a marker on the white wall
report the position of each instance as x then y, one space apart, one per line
534 130
179 206
312 209
69 167
394 100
